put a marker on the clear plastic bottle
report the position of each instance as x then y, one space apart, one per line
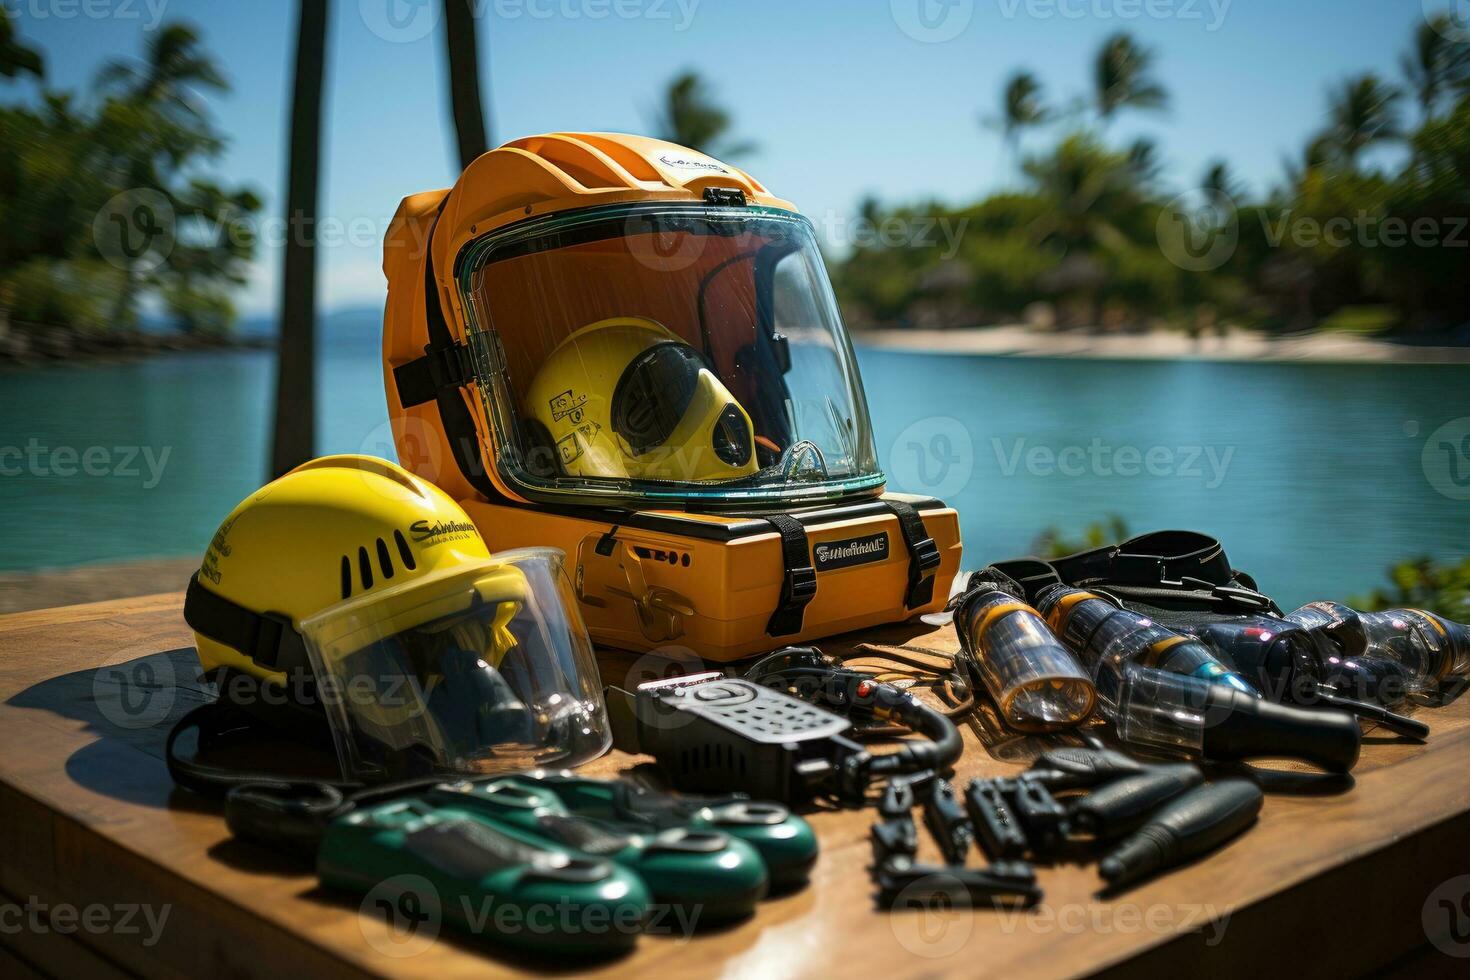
1106 636
1430 647
1034 679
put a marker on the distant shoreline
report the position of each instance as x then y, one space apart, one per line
1163 345
22 350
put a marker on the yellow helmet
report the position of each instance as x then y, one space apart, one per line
627 398
367 595
331 529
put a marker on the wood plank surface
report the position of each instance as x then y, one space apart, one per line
1339 876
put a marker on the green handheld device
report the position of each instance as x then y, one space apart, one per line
786 843
470 874
718 876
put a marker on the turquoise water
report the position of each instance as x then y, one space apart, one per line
1313 475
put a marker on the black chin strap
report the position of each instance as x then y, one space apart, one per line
265 807
268 639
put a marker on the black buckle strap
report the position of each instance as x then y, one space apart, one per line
268 639
799 583
1164 558
440 369
924 556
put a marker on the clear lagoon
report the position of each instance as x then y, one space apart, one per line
1316 476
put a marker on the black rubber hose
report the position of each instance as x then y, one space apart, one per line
939 753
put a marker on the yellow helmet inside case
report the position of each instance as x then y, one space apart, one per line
354 591
610 320
626 398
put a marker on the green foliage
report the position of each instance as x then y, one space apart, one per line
1053 542
1438 62
65 161
1424 584
80 293
1362 320
1343 243
16 59
1122 78
1364 111
1022 106
691 117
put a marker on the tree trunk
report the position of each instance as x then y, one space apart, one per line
462 44
295 423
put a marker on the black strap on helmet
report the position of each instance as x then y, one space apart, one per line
446 365
265 807
268 639
441 375
227 729
440 369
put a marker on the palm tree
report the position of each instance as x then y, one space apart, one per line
16 58
1363 112
168 82
1319 152
1123 80
1143 161
1021 107
463 47
295 420
1219 180
691 117
173 69
1436 63
1090 190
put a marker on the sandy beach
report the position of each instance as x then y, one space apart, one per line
1236 345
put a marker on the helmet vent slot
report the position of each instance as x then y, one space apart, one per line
385 563
403 550
365 566
346 576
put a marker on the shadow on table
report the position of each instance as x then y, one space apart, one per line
663 926
131 707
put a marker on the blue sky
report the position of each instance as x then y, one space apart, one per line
845 98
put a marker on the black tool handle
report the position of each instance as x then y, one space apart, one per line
1076 767
1252 728
1120 806
918 884
1191 825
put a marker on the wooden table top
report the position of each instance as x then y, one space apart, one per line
1336 877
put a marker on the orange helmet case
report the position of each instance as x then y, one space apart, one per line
646 579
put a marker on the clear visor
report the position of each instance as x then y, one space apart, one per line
658 352
480 670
